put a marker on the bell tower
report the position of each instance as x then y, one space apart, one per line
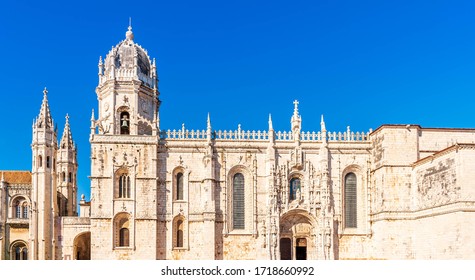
124 165
128 90
43 196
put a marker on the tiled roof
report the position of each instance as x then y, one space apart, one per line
16 177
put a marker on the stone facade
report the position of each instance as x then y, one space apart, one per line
399 192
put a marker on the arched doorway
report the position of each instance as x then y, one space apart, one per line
82 246
296 238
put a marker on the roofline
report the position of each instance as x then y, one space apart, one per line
406 126
443 152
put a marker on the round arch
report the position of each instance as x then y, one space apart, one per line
82 246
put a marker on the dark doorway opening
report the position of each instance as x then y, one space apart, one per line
285 249
301 249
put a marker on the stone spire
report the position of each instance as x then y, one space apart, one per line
296 122
67 138
44 118
208 129
271 128
322 125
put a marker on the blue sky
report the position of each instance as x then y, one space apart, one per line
360 63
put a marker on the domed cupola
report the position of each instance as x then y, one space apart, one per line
128 61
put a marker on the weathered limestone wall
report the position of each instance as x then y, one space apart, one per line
392 239
445 236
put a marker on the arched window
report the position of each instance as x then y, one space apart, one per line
179 186
124 123
25 210
124 186
238 201
19 251
63 176
350 200
40 161
17 210
24 254
70 177
124 237
179 233
294 187
47 162
122 230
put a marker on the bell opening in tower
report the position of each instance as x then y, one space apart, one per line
124 123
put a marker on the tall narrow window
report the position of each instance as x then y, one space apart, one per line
179 186
40 161
17 210
24 254
124 237
350 200
47 162
70 177
25 210
179 233
63 176
124 186
294 188
238 201
124 123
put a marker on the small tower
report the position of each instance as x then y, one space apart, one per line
66 173
44 148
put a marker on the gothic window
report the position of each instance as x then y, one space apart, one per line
24 207
70 177
124 237
179 186
238 201
124 186
179 233
40 161
350 200
294 187
63 176
47 162
124 123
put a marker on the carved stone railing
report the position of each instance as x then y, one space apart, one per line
262 135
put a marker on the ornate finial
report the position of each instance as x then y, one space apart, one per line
67 118
92 115
45 92
208 123
270 122
129 35
322 124
296 107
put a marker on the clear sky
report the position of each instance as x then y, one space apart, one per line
360 63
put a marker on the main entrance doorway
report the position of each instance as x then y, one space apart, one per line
296 236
